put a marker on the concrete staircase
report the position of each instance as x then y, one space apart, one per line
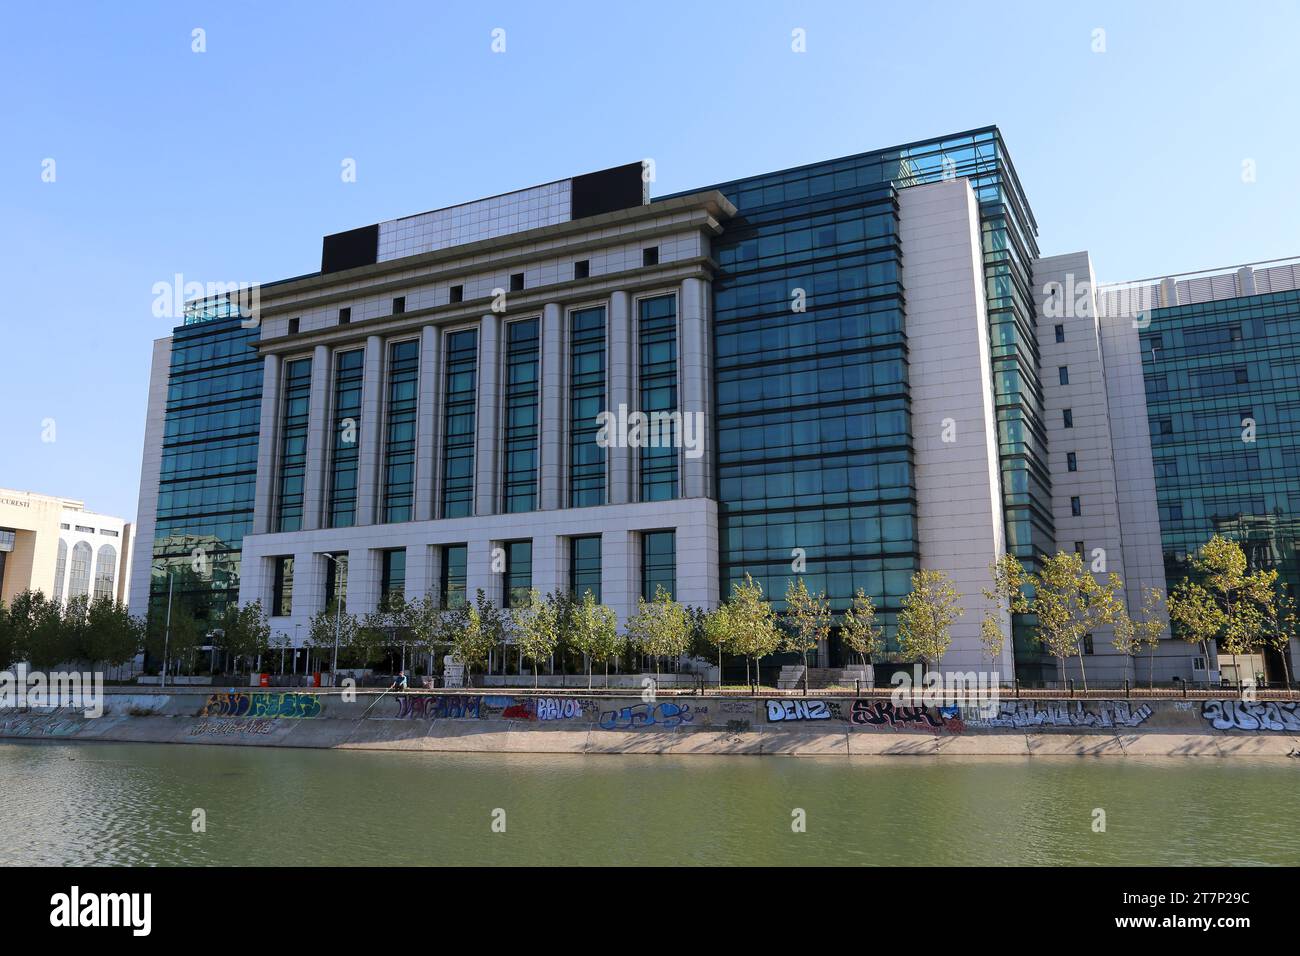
820 678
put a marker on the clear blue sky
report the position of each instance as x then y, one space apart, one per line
225 165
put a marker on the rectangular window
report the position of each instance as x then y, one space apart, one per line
519 573
1067 417
1063 374
582 269
586 402
1078 548
1060 333
293 442
282 589
657 331
658 563
345 316
459 396
399 449
293 326
456 294
1076 506
519 472
349 369
455 565
517 282
399 305
650 256
336 579
109 531
584 566
1071 462
392 578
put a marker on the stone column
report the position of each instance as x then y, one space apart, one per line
621 335
372 385
487 453
313 491
426 434
620 563
552 413
267 453
695 399
418 571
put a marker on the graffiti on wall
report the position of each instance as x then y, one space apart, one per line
1243 715
438 707
262 705
663 715
1030 713
562 708
225 728
38 725
779 711
884 713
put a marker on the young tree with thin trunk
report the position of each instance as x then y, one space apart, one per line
483 631
1197 617
1280 626
593 630
1070 604
715 629
537 630
753 624
859 631
927 616
808 621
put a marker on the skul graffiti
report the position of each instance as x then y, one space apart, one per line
300 706
1241 715
640 716
789 710
887 714
438 707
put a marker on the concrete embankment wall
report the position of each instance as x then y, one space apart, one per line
490 721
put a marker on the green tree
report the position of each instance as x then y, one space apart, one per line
928 613
8 639
715 630
330 625
185 637
1008 597
1280 626
808 621
660 628
859 631
1196 617
245 632
593 631
483 631
1070 604
754 630
537 629
112 635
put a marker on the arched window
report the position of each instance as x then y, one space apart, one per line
105 571
60 569
79 575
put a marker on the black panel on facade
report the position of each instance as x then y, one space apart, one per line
347 250
606 191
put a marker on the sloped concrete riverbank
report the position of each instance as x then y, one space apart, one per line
525 722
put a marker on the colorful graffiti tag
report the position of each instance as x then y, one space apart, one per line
1244 715
439 707
640 716
790 710
869 713
225 728
298 706
562 708
1027 714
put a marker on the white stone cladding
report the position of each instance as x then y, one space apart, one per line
958 488
150 472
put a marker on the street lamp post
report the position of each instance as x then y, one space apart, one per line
167 631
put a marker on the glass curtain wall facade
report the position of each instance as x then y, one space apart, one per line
1223 406
521 415
208 472
813 419
293 442
399 428
657 369
459 396
349 370
586 401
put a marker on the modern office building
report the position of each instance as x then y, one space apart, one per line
845 371
55 546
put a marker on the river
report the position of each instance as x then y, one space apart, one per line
135 803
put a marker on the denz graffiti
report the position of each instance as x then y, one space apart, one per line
1029 713
438 706
788 710
262 705
224 728
639 716
870 713
1243 715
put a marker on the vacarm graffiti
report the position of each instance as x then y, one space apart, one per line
439 707
296 706
1245 715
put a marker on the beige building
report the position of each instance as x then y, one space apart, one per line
54 545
